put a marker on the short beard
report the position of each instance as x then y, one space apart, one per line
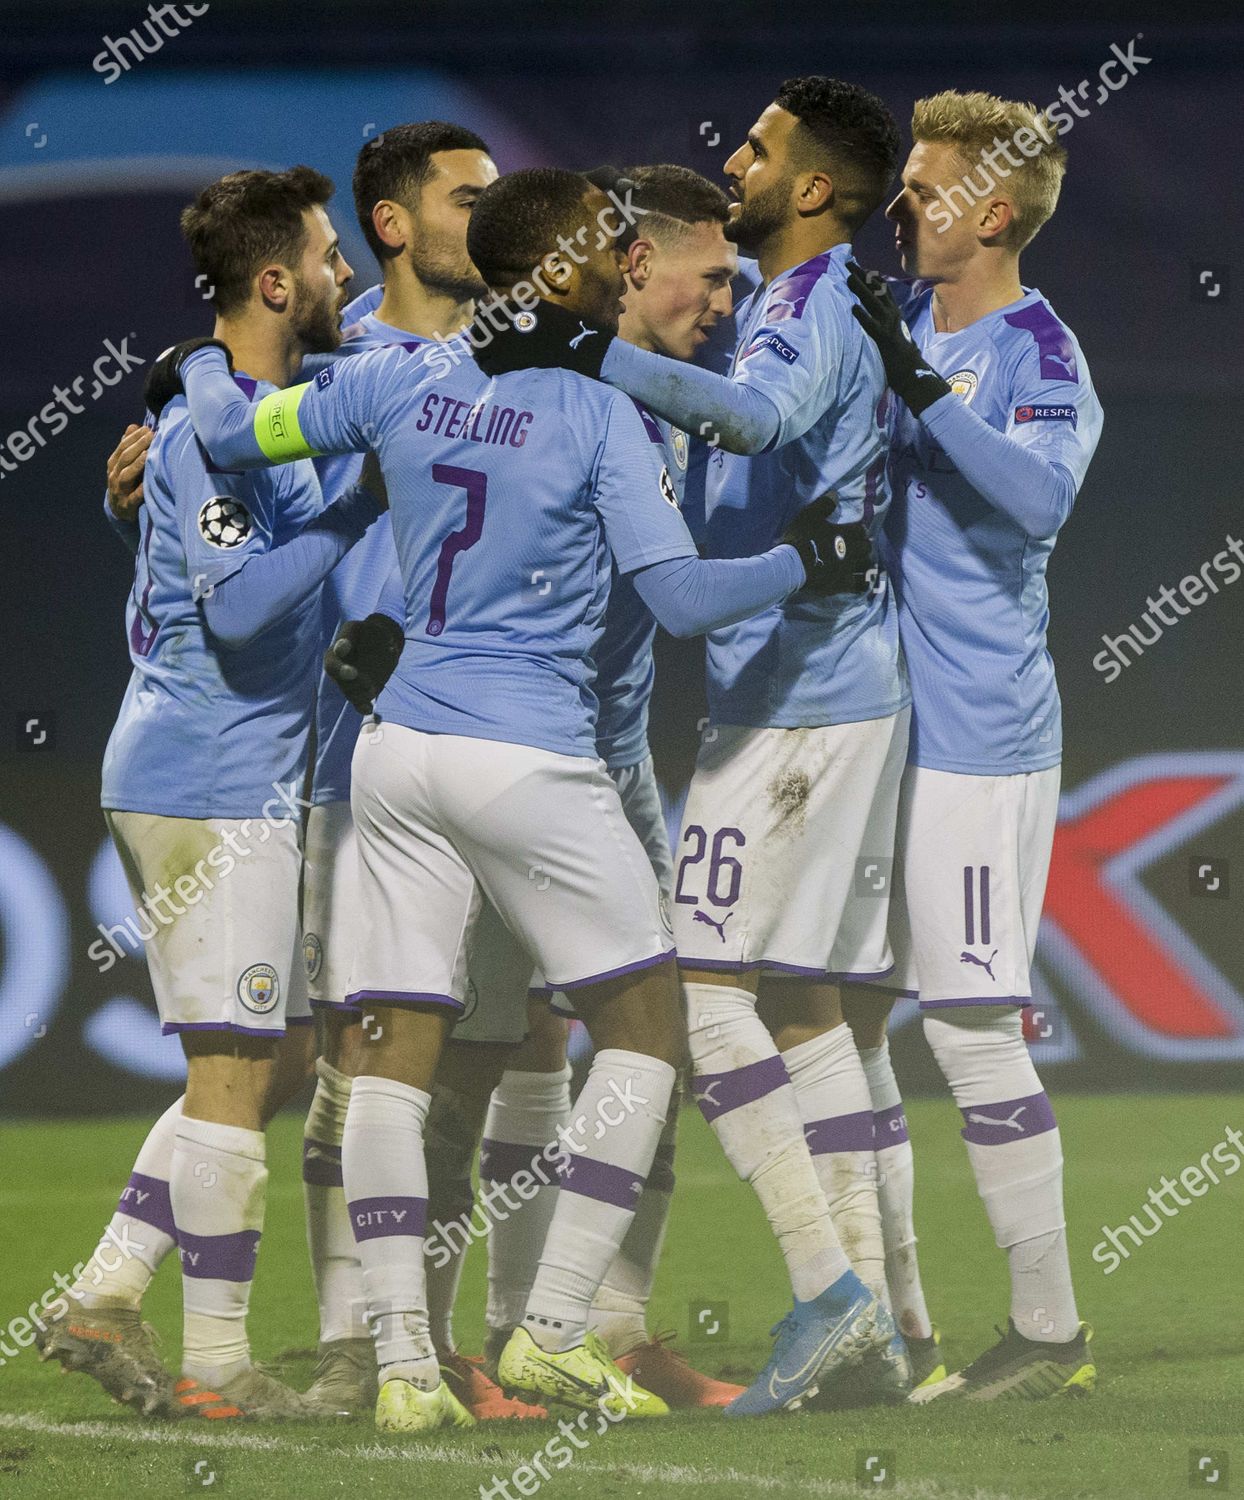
761 217
317 324
458 281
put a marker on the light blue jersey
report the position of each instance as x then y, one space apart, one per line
970 581
206 731
353 590
502 493
624 667
809 660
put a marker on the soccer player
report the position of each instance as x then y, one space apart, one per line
999 426
678 278
485 769
792 805
200 777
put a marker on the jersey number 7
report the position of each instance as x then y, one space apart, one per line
476 486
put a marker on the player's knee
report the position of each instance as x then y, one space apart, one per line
544 1050
974 1043
867 1013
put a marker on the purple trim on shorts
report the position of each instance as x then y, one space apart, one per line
602 1180
996 1124
501 1161
339 1006
789 971
890 1127
323 1169
643 963
840 1133
404 997
171 1028
218 1257
977 1000
719 1093
147 1199
387 1217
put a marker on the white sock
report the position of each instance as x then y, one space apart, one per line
837 1113
1016 1154
896 1193
141 1233
610 1144
218 1186
449 1149
620 1307
335 1265
386 1186
523 1119
744 1092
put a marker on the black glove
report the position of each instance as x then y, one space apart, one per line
361 660
546 338
836 559
164 377
909 375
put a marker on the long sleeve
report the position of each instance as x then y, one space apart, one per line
739 417
1034 492
223 417
271 584
692 595
127 530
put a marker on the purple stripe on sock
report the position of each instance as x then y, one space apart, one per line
147 1198
719 1093
1011 1120
219 1257
890 1127
500 1161
840 1133
321 1164
379 1218
592 1178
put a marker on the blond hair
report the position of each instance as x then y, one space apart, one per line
976 122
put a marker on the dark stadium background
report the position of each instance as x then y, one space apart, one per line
1141 976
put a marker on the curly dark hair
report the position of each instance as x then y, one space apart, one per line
850 133
241 222
517 219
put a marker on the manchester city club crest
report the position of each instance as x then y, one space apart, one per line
963 383
259 989
680 446
312 954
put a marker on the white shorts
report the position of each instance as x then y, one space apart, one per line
443 818
786 844
223 949
498 966
641 802
971 860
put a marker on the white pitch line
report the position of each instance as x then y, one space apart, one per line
674 1474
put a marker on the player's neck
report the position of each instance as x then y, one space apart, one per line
264 350
981 289
797 243
426 312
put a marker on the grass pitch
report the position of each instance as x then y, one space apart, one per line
1169 1342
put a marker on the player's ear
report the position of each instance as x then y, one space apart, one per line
996 218
275 286
815 192
639 261
391 223
558 271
